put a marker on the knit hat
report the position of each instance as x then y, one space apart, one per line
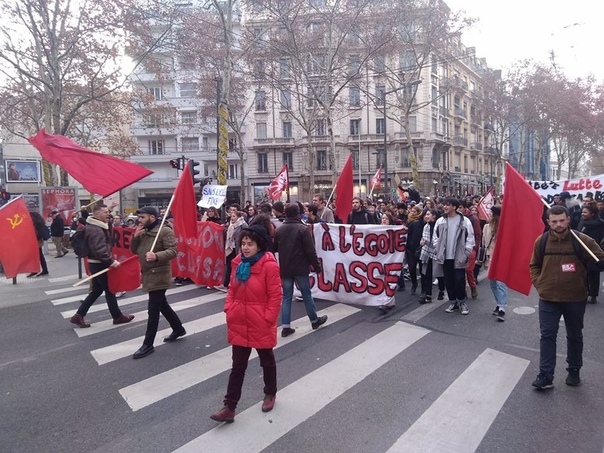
261 233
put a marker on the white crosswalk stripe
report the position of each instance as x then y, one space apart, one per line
158 387
458 419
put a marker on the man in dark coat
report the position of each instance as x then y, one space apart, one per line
297 254
56 233
359 215
98 240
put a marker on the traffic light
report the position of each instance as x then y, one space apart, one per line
194 171
176 163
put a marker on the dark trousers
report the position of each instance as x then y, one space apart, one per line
227 272
426 278
100 284
455 281
412 261
549 322
593 283
44 266
241 356
159 304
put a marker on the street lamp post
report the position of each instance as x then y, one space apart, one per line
385 160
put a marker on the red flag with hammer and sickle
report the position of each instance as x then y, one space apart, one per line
19 251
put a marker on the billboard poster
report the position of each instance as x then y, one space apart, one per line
63 199
32 201
22 171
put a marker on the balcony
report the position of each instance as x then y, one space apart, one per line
444 111
403 135
459 112
274 141
477 145
352 139
460 141
490 150
455 83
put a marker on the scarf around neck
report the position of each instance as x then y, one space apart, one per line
244 269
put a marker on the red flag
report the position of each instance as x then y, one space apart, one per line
184 207
484 205
97 172
279 184
19 251
344 190
376 181
519 226
125 277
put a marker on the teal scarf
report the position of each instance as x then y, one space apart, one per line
244 269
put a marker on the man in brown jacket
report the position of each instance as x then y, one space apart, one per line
560 278
157 274
98 240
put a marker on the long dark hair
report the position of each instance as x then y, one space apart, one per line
494 222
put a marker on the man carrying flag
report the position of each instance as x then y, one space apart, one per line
97 236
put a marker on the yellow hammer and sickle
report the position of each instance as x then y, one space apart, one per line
15 221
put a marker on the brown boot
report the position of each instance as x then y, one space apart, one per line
225 415
79 320
268 403
123 319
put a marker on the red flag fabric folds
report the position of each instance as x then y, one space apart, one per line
484 205
126 277
184 208
376 180
344 190
519 226
19 251
279 184
97 172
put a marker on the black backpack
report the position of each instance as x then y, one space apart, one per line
585 260
78 242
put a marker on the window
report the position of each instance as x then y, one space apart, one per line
156 92
157 147
405 160
379 94
233 171
287 129
285 67
206 142
262 163
286 99
189 143
355 159
259 42
320 127
412 124
260 101
354 97
379 158
354 65
434 64
355 127
258 69
153 120
379 64
288 159
436 157
408 61
260 130
465 164
316 64
434 95
188 90
322 160
379 126
188 117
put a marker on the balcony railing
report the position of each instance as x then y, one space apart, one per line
444 111
477 145
461 112
460 141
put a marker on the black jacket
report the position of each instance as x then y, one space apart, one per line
56 227
361 217
594 228
415 229
296 249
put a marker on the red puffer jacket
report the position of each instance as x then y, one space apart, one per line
252 307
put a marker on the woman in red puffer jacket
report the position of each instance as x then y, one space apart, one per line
252 307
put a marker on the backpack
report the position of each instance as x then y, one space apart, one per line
576 247
78 242
45 233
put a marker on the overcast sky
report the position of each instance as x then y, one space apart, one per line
513 30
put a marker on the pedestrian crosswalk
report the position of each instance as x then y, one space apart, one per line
456 420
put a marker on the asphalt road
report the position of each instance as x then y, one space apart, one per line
418 379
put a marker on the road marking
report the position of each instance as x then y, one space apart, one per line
68 289
255 431
459 419
160 386
103 326
64 278
423 310
67 300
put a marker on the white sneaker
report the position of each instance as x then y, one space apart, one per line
222 288
452 307
435 282
464 308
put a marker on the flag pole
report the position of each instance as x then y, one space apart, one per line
163 220
90 277
547 205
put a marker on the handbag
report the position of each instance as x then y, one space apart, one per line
481 255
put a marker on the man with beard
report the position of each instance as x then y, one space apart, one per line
157 274
358 215
560 278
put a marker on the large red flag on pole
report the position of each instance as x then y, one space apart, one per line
344 190
97 172
184 207
125 277
279 184
484 205
376 180
519 226
19 250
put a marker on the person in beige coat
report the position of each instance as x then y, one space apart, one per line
156 274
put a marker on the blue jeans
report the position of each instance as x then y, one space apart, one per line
288 292
549 321
500 291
